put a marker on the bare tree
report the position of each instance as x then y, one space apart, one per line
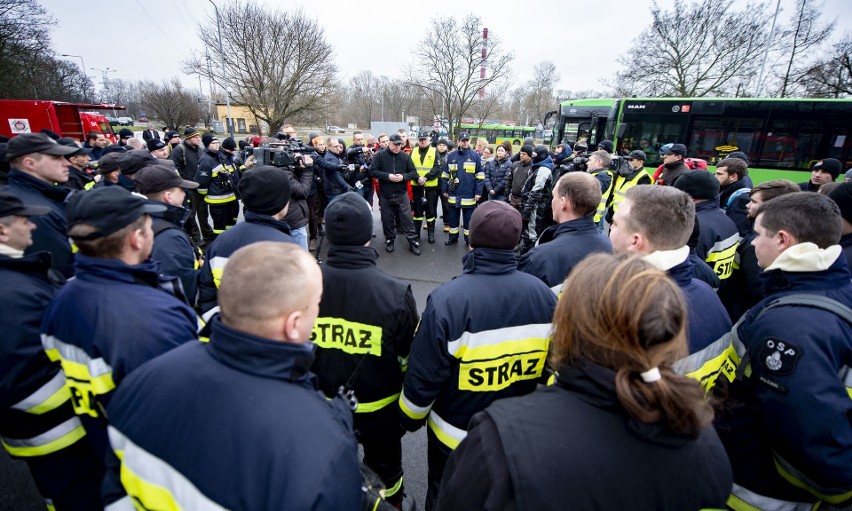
539 96
831 77
363 89
702 48
448 60
804 36
171 103
279 63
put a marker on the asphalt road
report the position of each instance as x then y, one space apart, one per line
436 265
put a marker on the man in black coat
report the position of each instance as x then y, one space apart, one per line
186 156
561 247
150 134
393 168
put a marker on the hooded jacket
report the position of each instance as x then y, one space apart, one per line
562 446
798 357
276 444
496 177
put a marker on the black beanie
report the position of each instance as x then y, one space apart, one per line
229 144
842 195
495 224
699 184
265 190
829 165
526 149
208 139
348 220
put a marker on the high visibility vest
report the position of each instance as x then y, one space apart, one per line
604 198
621 186
424 167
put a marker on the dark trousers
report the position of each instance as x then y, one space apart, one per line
425 202
437 455
70 478
367 192
380 435
464 213
312 216
199 210
445 205
224 216
396 209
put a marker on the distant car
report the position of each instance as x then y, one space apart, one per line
333 129
142 119
113 121
125 121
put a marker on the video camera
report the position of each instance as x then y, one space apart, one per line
581 161
286 154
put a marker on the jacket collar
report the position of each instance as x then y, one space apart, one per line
836 275
578 224
38 263
96 269
24 180
489 261
264 357
257 218
806 257
348 257
595 385
176 215
674 262
707 205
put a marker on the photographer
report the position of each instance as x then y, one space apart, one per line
360 156
301 178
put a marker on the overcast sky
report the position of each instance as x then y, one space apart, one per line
147 39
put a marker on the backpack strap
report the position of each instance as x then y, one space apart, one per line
736 194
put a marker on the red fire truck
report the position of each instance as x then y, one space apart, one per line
72 120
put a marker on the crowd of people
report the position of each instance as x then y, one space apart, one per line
688 329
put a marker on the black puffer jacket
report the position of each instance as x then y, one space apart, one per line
300 187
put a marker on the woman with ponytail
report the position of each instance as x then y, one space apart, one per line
618 429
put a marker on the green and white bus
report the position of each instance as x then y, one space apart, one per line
498 133
783 138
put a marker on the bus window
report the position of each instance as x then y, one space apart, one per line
655 134
714 137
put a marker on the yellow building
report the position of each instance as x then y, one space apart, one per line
244 121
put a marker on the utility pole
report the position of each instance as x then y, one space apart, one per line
224 72
105 80
766 53
86 87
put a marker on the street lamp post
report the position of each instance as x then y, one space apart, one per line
86 88
224 72
104 81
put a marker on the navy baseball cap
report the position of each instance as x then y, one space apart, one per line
108 209
11 205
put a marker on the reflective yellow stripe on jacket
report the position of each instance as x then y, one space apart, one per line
87 377
721 255
620 187
50 441
154 484
48 397
348 336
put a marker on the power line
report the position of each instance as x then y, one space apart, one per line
155 24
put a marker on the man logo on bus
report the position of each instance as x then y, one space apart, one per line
675 109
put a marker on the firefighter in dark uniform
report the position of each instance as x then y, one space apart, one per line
465 354
462 183
37 421
425 189
217 182
363 334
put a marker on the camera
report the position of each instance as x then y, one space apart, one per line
286 154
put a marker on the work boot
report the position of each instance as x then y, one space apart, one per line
389 245
415 247
430 232
451 242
